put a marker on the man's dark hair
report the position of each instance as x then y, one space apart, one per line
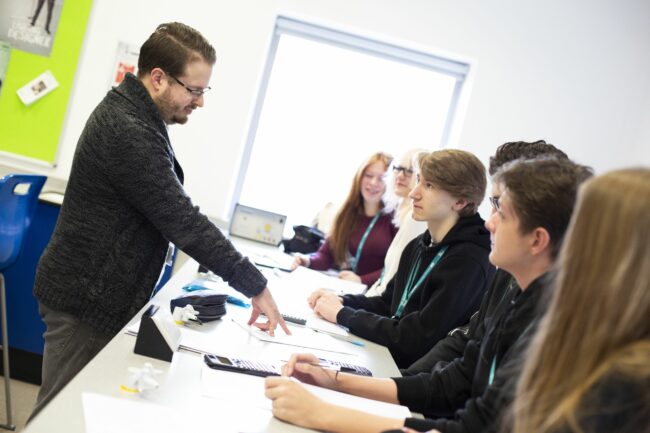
522 150
172 47
543 192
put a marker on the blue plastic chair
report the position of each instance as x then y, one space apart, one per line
18 198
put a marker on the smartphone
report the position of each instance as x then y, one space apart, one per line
240 366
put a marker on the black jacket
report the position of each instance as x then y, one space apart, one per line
463 387
453 345
123 204
445 300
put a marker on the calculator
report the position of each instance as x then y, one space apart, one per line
240 366
344 367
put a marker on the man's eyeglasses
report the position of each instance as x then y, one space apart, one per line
494 201
406 171
194 92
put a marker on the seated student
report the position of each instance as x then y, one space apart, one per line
362 232
503 284
442 273
403 182
588 367
533 213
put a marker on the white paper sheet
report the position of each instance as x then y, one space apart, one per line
101 415
301 337
131 414
309 280
250 390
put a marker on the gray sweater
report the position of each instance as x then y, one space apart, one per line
123 204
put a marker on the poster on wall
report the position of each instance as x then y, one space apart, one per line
5 52
30 25
125 61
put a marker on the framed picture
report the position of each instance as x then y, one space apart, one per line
125 61
30 25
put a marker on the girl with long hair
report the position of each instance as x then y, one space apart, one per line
362 230
588 367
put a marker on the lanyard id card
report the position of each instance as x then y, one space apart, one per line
411 285
357 256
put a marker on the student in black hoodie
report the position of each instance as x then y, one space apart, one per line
503 284
442 274
470 394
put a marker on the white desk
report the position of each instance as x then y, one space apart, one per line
180 382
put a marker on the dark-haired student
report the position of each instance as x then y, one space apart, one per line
442 274
503 284
471 393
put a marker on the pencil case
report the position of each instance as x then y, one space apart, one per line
209 305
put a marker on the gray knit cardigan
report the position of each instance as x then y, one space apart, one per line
124 202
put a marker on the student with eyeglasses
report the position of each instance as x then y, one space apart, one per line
363 228
124 204
403 181
442 274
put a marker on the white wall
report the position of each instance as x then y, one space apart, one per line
576 73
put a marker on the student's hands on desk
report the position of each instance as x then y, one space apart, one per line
264 303
292 402
300 260
349 276
295 404
305 368
326 304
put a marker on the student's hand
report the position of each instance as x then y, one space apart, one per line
315 295
293 403
264 303
299 366
300 260
327 306
349 276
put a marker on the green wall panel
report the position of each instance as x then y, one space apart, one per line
34 131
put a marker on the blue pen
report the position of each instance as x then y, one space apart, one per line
194 288
236 301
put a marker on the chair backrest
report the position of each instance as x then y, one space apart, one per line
16 210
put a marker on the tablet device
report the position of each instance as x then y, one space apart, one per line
257 224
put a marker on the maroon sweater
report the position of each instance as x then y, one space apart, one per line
371 261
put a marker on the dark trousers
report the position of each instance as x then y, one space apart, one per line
50 6
69 346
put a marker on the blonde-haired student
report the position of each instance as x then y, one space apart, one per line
588 367
403 181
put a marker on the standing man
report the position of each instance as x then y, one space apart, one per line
124 204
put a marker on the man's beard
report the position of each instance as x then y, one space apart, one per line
169 111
